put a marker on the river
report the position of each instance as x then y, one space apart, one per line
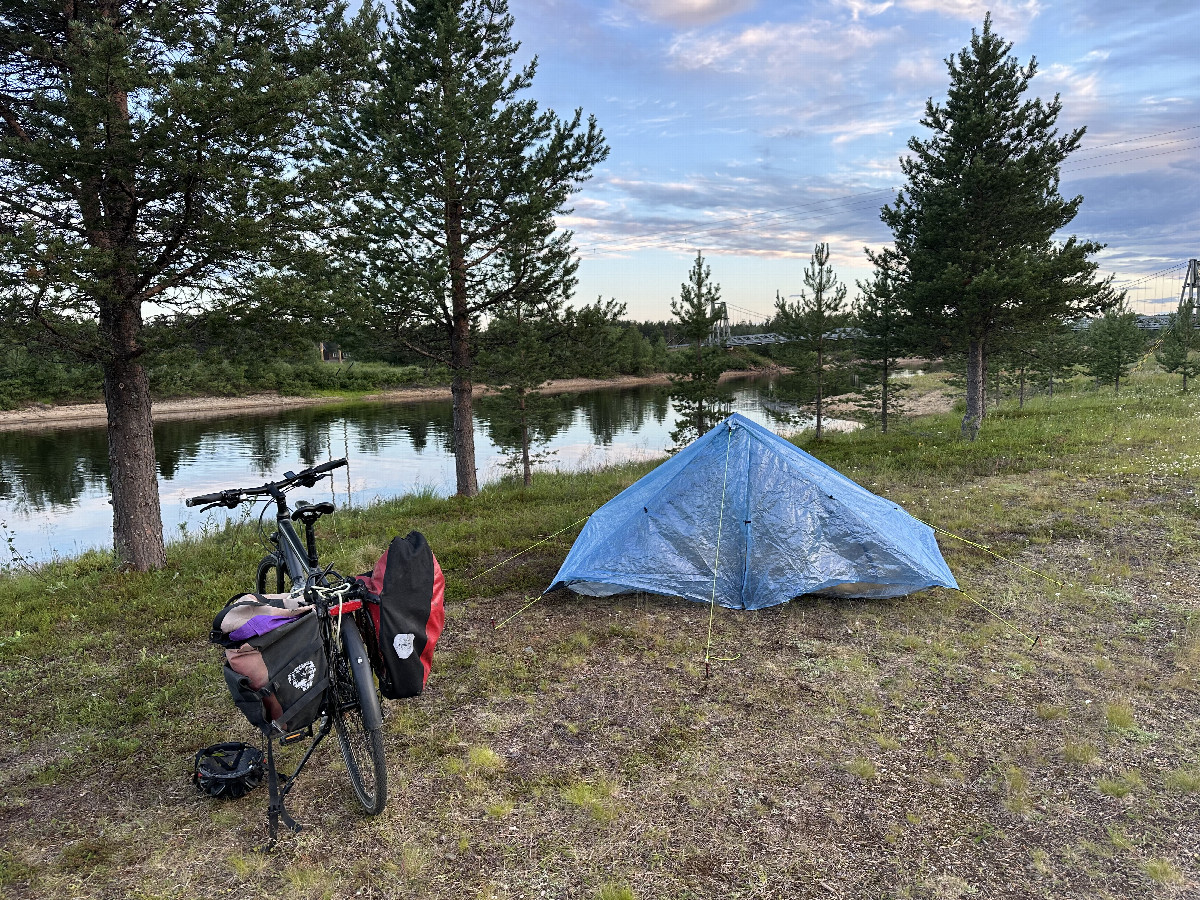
54 497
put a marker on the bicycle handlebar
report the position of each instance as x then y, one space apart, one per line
233 497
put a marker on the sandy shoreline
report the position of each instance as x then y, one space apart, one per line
91 415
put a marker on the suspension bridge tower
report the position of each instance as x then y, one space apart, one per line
1189 295
719 334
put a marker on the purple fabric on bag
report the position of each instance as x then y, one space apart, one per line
257 625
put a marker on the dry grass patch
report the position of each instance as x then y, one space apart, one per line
1182 781
1080 753
1162 871
1121 786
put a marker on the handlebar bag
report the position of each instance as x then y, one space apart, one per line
409 616
277 677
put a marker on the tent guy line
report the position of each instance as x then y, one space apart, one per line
712 603
1033 641
530 547
1011 562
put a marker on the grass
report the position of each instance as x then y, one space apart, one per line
907 747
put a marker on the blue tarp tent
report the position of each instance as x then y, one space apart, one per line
788 525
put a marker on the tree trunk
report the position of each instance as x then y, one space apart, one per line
975 395
886 372
820 389
463 425
137 516
1022 387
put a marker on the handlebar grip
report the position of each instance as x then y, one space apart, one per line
203 498
325 467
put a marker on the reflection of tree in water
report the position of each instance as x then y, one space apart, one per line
41 469
608 412
547 415
376 426
55 468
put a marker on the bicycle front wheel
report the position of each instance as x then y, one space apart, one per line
359 723
271 575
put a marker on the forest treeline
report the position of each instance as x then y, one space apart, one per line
217 356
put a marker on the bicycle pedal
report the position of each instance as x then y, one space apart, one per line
294 736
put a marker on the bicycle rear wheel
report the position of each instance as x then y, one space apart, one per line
358 721
271 575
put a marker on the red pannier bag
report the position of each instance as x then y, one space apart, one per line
409 615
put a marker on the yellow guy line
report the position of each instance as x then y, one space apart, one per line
712 604
519 611
1012 562
1033 641
530 547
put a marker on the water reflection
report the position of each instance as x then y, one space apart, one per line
54 483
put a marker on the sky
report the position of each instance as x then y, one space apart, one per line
750 130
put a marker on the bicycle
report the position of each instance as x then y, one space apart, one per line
351 704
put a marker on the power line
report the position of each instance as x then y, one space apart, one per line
1144 137
1186 140
1131 159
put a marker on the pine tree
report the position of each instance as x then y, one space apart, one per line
974 226
1114 344
516 356
696 371
151 152
1180 348
817 324
457 180
879 325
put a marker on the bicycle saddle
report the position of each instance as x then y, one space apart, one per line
309 512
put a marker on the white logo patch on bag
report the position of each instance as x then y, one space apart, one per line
303 676
404 645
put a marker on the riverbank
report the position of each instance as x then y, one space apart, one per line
90 415
839 748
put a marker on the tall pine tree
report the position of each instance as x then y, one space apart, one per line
1179 351
696 371
975 224
1114 343
457 180
817 323
150 152
879 325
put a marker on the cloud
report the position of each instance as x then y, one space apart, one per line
688 13
865 7
793 51
1080 90
1007 15
922 70
763 214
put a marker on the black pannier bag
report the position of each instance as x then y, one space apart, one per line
277 678
408 616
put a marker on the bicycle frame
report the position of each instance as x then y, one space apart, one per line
300 562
